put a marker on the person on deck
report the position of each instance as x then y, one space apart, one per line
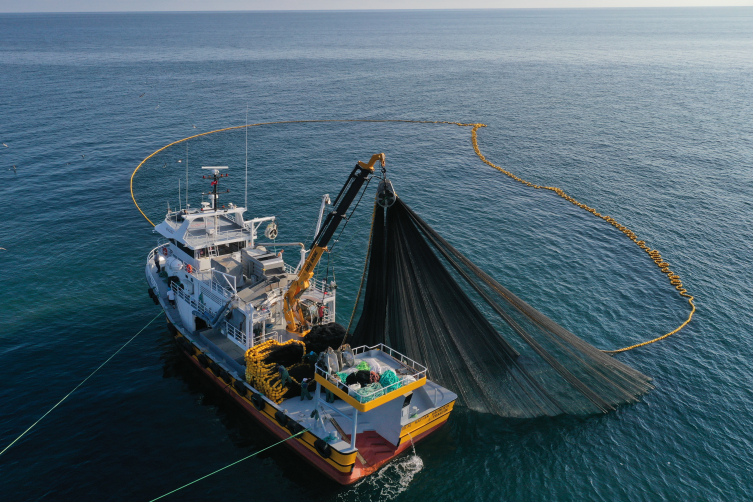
284 375
305 390
171 297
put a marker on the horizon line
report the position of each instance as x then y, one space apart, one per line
652 7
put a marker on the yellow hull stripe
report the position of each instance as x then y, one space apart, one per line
340 461
431 417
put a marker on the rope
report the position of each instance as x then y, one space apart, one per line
277 123
79 385
229 465
674 279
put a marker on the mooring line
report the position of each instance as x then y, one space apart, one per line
79 385
229 465
674 278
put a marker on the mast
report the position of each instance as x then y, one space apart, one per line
245 201
215 177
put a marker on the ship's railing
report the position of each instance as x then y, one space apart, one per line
265 337
224 278
202 241
315 285
150 261
410 372
210 287
209 276
181 293
207 283
209 291
238 336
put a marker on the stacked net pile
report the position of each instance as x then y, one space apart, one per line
263 360
261 367
413 302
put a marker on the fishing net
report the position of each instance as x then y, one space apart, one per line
414 303
262 363
323 336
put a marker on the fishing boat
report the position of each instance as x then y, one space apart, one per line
263 331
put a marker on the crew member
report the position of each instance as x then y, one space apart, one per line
171 297
305 390
284 375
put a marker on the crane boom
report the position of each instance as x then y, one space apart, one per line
293 316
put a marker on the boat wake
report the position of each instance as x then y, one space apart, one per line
386 484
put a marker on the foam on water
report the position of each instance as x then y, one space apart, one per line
388 482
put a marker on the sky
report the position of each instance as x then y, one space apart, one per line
222 5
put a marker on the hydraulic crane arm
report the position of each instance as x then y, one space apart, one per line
293 316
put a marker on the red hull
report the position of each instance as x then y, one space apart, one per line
371 445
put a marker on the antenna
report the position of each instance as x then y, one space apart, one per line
246 197
216 177
186 175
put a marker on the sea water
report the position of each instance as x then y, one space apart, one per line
644 115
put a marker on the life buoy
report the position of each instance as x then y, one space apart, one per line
189 268
164 250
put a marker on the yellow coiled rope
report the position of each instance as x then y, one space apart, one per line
674 279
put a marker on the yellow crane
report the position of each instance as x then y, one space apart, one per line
293 315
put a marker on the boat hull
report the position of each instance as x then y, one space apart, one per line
344 469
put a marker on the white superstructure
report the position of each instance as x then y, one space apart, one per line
222 277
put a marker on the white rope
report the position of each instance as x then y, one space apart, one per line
79 385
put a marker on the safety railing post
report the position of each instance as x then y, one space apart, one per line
353 433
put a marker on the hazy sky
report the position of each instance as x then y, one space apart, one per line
215 5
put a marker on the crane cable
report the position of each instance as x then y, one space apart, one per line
655 255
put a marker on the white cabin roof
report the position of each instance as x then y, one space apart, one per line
198 229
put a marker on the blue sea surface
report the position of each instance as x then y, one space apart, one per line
644 114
